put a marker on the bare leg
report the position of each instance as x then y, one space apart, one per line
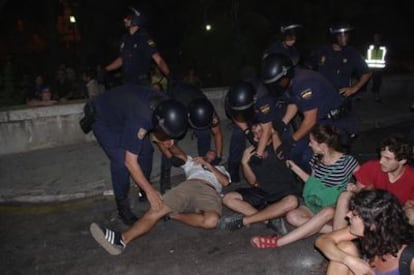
145 224
341 210
274 210
235 202
314 225
336 268
207 219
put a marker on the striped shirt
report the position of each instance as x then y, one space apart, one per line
336 174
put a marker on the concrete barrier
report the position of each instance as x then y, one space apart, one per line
25 128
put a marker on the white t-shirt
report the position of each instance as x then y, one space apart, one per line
196 171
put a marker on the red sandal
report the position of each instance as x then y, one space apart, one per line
264 241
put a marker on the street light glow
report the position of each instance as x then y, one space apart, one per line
208 27
72 19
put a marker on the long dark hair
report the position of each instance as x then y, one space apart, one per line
386 226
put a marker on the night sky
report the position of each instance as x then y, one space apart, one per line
241 30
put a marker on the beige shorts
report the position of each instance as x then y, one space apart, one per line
193 196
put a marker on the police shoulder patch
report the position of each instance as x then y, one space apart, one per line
265 109
151 42
306 94
141 133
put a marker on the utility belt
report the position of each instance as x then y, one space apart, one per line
339 112
88 117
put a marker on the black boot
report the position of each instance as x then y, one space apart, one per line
234 170
165 180
125 213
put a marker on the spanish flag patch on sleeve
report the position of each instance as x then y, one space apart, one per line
306 94
151 43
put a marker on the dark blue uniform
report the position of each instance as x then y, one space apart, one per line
267 108
186 93
309 91
339 67
123 118
279 47
136 53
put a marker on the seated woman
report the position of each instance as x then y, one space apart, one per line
380 226
331 171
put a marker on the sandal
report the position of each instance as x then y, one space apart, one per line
264 241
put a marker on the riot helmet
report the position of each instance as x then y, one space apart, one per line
339 33
200 113
277 70
340 27
239 101
170 118
135 16
289 28
275 66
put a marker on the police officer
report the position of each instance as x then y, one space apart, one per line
204 121
123 118
307 93
248 102
341 63
290 32
137 52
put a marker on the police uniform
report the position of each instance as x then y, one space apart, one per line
123 118
186 93
266 109
338 66
136 52
279 47
310 90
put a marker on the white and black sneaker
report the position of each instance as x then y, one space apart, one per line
110 240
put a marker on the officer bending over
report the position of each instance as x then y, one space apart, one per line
123 117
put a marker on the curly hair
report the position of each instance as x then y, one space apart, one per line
386 226
329 135
399 146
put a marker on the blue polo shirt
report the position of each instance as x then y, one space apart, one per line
339 67
136 53
126 113
310 90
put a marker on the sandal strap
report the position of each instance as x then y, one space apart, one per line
265 241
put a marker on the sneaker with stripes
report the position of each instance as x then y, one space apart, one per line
110 240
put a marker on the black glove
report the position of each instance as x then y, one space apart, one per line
283 152
255 160
250 137
216 161
280 127
177 162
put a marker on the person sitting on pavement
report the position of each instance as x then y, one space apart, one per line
195 202
378 239
331 171
391 172
273 192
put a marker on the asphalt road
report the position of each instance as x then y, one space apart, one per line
54 239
